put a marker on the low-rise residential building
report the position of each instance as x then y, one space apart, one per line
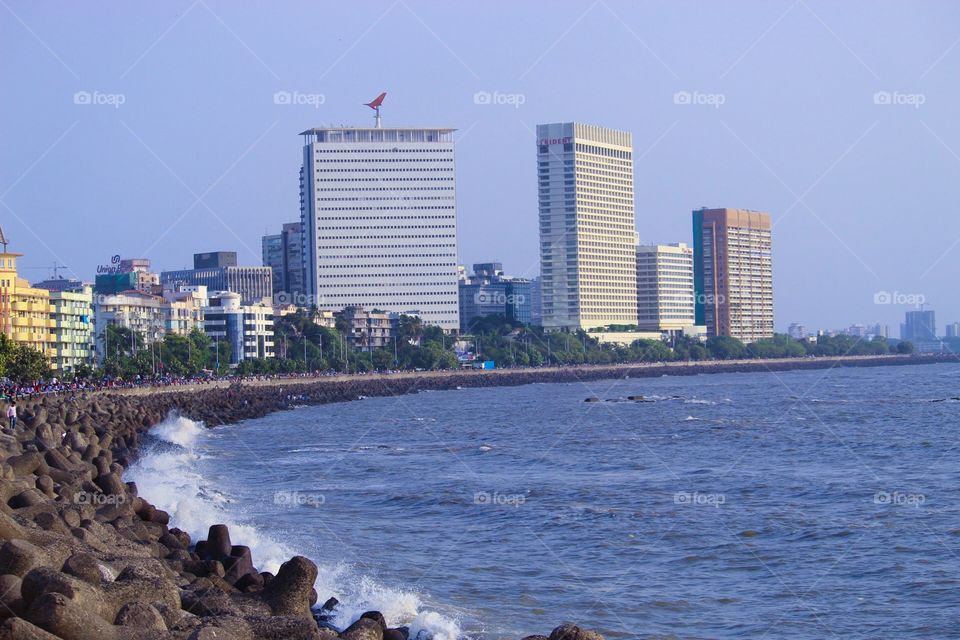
73 329
369 330
24 310
142 313
184 309
248 329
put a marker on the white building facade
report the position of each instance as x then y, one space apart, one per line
378 208
587 226
248 329
665 299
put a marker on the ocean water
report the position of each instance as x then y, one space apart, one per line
810 504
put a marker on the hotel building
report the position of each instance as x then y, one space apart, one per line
665 287
587 226
378 207
733 273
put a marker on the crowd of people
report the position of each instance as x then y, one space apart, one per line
10 390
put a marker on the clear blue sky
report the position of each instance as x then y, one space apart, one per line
200 157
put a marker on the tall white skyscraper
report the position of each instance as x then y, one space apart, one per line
378 208
587 228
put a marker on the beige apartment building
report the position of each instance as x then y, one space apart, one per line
665 287
733 273
587 226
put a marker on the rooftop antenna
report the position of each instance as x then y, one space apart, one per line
375 105
3 240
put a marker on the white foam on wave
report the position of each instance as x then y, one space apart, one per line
168 476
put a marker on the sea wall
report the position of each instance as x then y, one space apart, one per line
83 557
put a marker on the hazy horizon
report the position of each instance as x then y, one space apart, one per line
167 129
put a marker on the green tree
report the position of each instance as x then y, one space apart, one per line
725 348
905 347
25 364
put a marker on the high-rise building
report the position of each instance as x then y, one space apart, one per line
378 209
283 253
733 273
953 330
919 326
588 258
664 287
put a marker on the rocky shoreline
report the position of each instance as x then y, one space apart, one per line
83 557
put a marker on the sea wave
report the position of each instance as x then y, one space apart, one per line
169 475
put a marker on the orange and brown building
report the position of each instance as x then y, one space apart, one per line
733 273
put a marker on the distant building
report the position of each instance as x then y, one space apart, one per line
953 330
253 284
248 329
664 287
919 326
369 329
587 226
61 284
283 253
797 331
214 259
733 273
73 333
378 207
131 274
536 302
857 330
881 330
489 292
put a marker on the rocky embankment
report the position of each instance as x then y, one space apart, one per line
83 557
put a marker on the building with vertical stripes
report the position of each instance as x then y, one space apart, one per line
587 226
